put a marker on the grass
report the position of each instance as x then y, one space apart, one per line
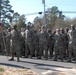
1 70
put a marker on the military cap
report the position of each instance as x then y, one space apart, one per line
43 26
49 30
14 26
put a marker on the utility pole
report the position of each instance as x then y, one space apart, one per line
43 2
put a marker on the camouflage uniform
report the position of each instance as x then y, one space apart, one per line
1 41
53 40
23 43
43 43
29 43
50 43
8 38
36 43
58 47
15 43
66 45
65 42
72 44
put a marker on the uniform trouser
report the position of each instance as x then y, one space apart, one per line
72 51
15 49
36 49
23 49
64 47
56 50
29 49
43 46
59 50
7 48
2 48
66 52
50 49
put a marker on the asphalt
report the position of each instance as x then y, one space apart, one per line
36 65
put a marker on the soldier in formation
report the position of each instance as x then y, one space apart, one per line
43 42
29 35
57 45
1 40
72 43
8 37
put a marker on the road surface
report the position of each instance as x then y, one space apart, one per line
36 65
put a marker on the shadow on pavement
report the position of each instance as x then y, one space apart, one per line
44 68
40 65
12 65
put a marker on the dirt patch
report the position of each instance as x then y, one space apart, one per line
4 70
60 71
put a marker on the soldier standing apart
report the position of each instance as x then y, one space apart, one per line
15 43
43 43
72 43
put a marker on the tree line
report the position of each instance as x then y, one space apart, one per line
54 17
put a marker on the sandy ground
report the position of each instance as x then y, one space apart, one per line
4 70
60 71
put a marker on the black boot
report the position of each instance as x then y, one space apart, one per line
12 59
18 59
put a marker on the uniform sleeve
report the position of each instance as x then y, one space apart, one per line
47 35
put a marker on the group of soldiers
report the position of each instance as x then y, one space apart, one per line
27 42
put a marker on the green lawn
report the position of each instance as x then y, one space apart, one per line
1 70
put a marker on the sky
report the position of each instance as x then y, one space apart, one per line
33 6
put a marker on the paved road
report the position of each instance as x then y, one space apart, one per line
36 64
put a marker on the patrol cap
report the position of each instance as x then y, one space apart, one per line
49 30
43 26
14 26
27 26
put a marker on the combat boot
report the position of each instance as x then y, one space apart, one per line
12 59
69 60
38 57
18 59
